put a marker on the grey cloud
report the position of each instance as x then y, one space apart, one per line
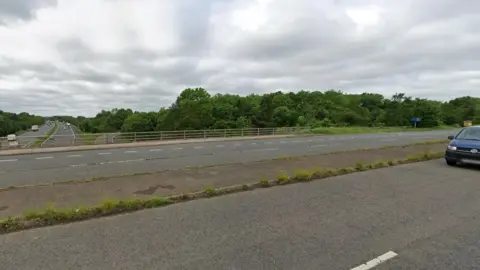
21 9
415 38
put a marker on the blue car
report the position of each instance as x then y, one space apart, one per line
464 147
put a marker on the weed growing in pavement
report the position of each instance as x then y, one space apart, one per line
359 166
52 216
264 182
210 192
283 177
303 175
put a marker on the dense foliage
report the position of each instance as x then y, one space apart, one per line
12 123
197 109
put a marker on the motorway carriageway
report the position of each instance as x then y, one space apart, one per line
63 166
417 216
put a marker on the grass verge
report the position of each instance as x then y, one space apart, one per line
52 216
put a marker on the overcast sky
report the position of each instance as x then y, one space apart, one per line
80 56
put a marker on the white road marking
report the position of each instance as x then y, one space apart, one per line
178 148
78 165
8 160
74 156
388 140
155 150
199 147
380 259
44 157
254 143
319 145
296 141
135 160
104 153
130 152
266 149
309 140
237 144
283 141
221 145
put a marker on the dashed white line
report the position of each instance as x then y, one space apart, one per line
237 144
155 150
266 149
134 160
177 148
268 142
199 147
74 156
104 153
380 259
8 160
254 143
44 157
296 141
129 152
319 145
220 145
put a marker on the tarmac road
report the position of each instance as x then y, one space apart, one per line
424 215
30 137
64 136
52 167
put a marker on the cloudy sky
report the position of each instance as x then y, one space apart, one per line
80 56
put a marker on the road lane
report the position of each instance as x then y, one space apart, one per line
419 211
52 167
30 137
64 136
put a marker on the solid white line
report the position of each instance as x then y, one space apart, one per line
44 157
380 259
267 149
104 153
8 160
130 152
74 156
155 150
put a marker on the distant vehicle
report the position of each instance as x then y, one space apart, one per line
11 137
464 147
35 128
68 124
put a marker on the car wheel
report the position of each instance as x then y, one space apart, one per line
451 162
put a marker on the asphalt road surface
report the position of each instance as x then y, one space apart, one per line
30 137
64 136
417 216
53 167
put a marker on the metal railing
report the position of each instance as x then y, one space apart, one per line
132 137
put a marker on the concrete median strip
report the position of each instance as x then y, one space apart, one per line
52 216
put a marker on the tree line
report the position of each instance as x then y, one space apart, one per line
197 109
11 123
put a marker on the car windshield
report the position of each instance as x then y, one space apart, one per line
469 134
